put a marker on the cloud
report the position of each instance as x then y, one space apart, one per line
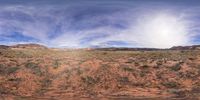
160 30
100 24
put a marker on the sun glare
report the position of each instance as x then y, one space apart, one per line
163 31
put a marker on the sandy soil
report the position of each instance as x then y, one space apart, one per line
104 75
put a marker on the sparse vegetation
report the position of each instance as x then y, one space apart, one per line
31 65
159 63
178 92
144 66
3 90
123 80
176 67
5 70
143 73
128 69
171 84
59 72
88 80
56 64
34 67
15 79
11 70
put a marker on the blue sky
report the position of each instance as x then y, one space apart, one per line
100 23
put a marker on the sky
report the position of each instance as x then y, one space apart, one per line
100 23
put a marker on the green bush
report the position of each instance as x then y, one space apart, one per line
177 67
137 64
178 92
159 63
89 80
3 90
56 64
11 70
34 67
143 72
128 69
31 65
123 80
2 69
171 84
7 70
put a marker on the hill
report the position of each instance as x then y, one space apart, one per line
29 46
4 47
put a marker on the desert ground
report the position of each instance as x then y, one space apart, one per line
86 74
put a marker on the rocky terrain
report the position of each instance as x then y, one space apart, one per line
42 73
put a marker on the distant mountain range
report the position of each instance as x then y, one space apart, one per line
33 46
38 46
26 46
193 47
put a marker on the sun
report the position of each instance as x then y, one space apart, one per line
162 31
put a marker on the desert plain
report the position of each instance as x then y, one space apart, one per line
39 73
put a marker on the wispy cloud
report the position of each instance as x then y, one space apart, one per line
128 24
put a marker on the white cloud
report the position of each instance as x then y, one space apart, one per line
159 29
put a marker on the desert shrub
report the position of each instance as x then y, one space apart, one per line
128 69
34 67
14 54
159 63
178 92
129 61
196 89
7 70
31 65
187 74
15 79
3 90
124 79
1 65
171 84
13 60
105 67
105 53
11 70
191 74
159 75
2 68
37 71
46 82
56 64
191 58
176 67
88 80
20 54
79 71
137 64
181 74
138 84
145 66
143 73
182 51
